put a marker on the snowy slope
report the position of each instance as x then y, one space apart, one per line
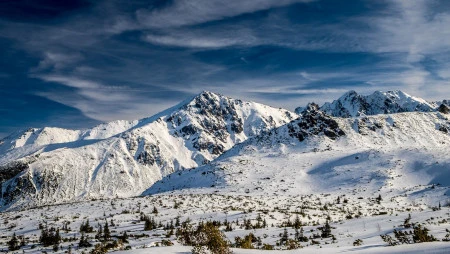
400 156
24 143
122 158
353 104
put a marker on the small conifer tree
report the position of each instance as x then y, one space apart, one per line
106 232
13 244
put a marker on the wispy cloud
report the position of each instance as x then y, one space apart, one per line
104 102
191 12
57 61
195 42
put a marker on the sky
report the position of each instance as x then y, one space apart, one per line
77 63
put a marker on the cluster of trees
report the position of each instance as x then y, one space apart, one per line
228 227
103 233
150 223
247 241
206 236
338 200
447 236
84 241
260 223
299 235
418 234
326 230
86 228
358 242
14 243
50 236
292 224
102 248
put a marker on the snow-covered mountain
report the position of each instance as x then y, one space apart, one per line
352 104
123 158
203 142
402 157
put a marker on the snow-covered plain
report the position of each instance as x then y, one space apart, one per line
125 215
366 174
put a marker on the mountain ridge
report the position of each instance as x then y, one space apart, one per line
352 104
125 158
124 163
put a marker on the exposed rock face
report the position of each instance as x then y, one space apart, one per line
314 122
444 108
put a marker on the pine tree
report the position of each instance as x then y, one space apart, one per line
150 223
170 233
55 247
57 236
378 199
99 234
155 211
302 237
106 232
389 240
407 222
297 234
326 230
421 235
84 243
22 241
86 227
258 221
13 244
124 237
402 237
285 236
297 222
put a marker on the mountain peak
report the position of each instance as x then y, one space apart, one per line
208 94
204 98
351 93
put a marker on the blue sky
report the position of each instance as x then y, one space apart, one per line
74 64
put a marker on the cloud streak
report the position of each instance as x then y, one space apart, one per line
99 101
192 12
